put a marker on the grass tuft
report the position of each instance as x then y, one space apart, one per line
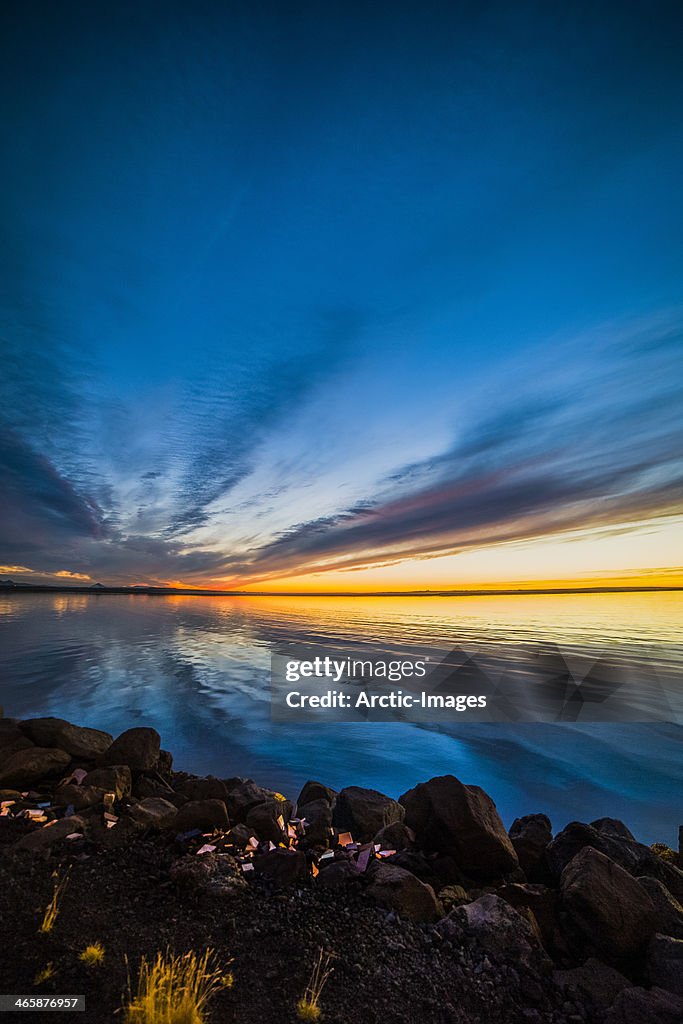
52 909
665 852
176 989
307 1011
92 954
308 1007
44 974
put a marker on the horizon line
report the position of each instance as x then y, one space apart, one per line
154 590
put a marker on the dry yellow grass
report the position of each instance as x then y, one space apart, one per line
52 909
44 974
308 1007
92 954
175 989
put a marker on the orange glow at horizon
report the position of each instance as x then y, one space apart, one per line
633 555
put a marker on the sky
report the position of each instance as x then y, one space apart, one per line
342 297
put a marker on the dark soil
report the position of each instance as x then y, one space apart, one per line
385 970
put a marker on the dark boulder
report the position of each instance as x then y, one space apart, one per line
40 841
613 827
239 835
82 743
499 929
268 821
25 767
577 835
606 904
462 821
363 812
337 872
396 836
138 748
207 788
153 812
530 835
418 864
318 821
78 797
202 814
401 891
639 1006
594 982
316 791
668 874
540 901
665 963
12 740
242 796
667 908
283 867
115 779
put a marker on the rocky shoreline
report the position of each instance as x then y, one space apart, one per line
430 908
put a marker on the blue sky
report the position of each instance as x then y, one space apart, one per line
290 289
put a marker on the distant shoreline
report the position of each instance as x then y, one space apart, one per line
32 588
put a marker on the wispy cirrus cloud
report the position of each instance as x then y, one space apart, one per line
592 437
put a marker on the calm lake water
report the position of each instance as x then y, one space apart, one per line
197 668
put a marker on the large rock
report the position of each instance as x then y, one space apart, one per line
668 874
201 814
613 827
530 835
244 795
203 789
540 901
594 982
43 838
78 797
12 740
396 888
607 905
31 765
138 748
638 1006
419 865
283 867
577 835
316 791
462 821
665 963
318 821
498 928
153 812
82 743
612 838
115 779
363 812
395 837
667 908
268 821
337 872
